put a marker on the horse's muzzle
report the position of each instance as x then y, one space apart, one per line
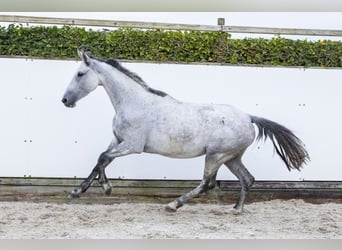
66 102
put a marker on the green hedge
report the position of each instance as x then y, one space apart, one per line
167 46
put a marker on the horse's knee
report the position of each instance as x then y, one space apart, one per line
252 180
246 187
104 159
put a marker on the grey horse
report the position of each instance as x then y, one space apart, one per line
151 121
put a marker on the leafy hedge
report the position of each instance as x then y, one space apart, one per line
171 46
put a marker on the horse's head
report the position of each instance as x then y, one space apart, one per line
85 81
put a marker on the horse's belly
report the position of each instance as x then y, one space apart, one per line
175 147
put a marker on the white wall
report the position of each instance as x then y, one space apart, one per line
42 138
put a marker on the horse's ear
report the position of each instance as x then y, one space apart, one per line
80 53
84 56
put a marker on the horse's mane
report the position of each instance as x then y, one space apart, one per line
117 65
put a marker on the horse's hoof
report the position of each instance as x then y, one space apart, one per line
72 196
108 192
107 188
170 209
235 211
76 193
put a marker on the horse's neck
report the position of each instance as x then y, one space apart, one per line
123 91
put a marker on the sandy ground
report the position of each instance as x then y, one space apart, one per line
277 219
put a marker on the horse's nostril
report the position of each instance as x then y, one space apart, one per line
64 100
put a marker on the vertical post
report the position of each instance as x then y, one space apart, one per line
221 22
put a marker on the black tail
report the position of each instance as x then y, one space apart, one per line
288 146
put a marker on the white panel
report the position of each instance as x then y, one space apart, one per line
14 153
66 142
63 142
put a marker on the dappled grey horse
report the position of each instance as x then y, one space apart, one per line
151 121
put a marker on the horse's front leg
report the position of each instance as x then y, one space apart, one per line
98 170
84 185
116 149
102 163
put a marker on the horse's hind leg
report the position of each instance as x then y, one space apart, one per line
212 181
246 180
212 164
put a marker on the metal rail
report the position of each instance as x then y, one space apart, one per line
167 26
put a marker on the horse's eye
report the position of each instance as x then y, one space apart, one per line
79 74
